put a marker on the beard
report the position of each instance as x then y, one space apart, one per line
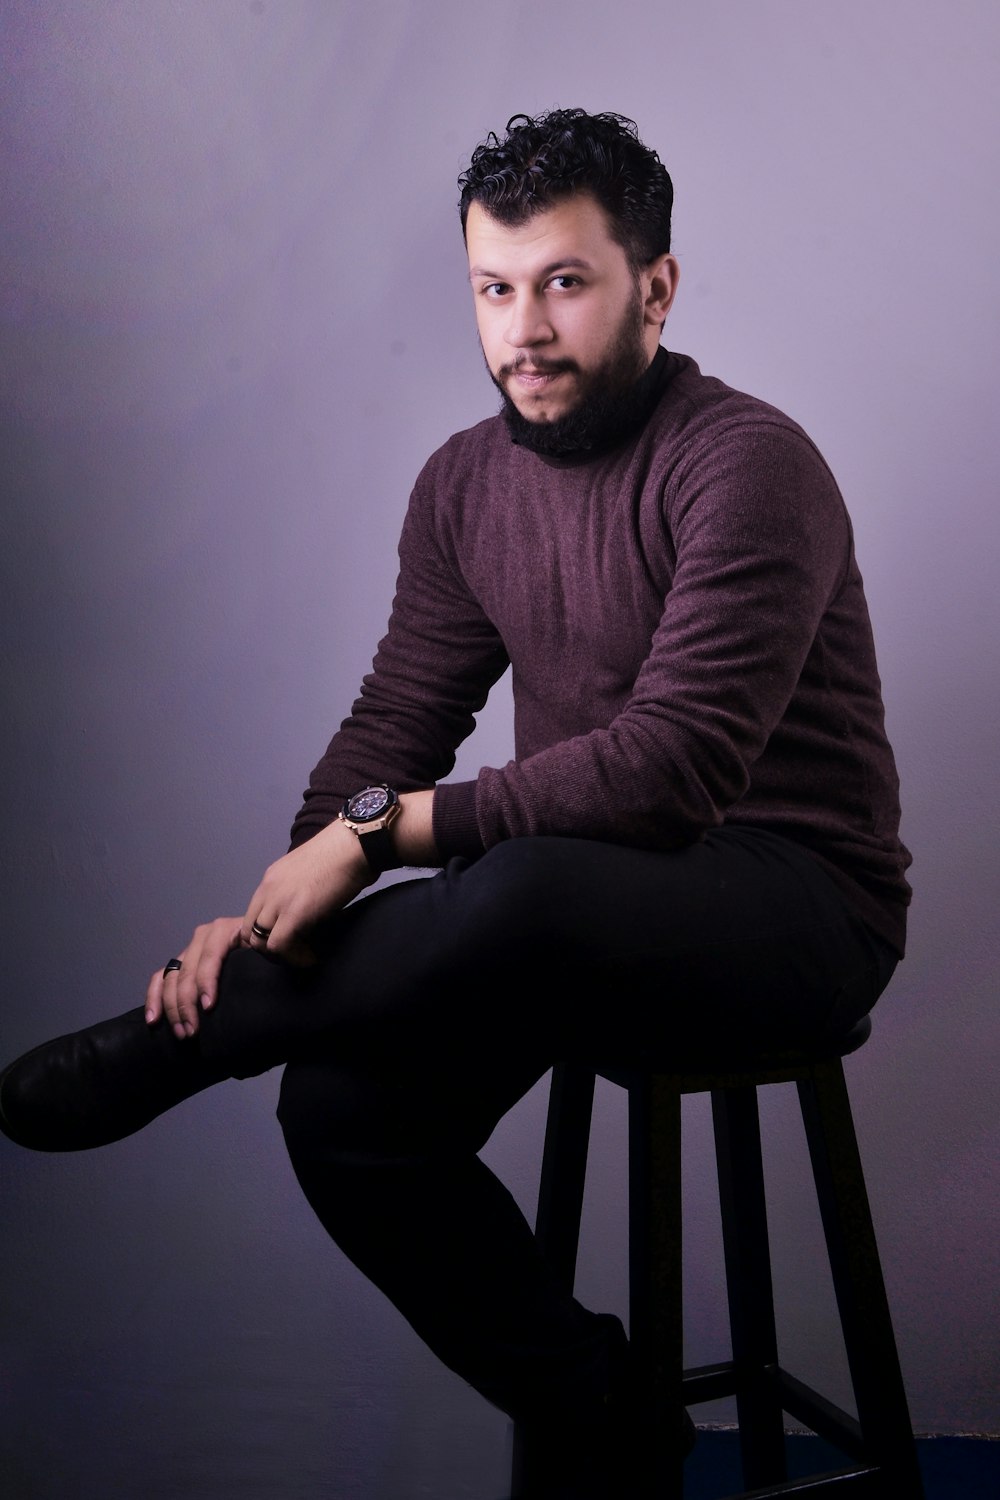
609 402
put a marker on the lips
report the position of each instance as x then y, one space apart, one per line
534 376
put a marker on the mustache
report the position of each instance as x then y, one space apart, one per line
538 365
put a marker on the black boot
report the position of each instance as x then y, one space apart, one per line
98 1085
602 1444
106 1082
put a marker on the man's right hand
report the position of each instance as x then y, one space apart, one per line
183 993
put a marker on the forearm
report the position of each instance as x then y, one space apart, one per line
431 675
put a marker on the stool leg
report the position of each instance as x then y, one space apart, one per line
749 1285
857 1277
655 1288
564 1169
560 1196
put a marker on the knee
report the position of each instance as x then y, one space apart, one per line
346 1115
315 1110
359 1115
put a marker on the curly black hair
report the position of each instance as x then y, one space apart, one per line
568 151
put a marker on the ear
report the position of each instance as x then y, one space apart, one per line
659 284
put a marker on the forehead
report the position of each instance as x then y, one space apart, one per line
574 228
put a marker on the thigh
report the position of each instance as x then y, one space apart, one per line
549 947
738 942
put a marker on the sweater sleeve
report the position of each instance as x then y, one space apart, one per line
762 546
432 673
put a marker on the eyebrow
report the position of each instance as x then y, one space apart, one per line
568 263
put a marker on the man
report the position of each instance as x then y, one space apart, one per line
695 848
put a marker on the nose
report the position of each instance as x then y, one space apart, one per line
528 324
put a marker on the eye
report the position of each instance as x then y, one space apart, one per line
565 283
494 289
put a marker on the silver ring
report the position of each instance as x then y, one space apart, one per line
172 966
258 931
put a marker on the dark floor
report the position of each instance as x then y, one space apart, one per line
953 1468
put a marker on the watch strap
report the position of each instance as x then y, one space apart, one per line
377 847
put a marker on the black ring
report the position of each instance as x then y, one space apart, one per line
258 931
172 967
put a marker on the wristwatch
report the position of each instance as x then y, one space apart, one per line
369 814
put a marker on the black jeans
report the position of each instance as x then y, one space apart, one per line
441 1001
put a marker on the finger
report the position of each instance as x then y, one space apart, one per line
195 986
154 997
159 989
278 927
220 940
257 926
180 1003
290 941
188 1009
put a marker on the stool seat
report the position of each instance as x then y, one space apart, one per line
877 1444
692 1067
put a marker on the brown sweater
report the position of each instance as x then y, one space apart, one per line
689 639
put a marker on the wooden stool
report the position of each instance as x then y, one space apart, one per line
878 1446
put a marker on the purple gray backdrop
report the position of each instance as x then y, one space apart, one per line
234 323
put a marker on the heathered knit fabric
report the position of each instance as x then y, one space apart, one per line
688 634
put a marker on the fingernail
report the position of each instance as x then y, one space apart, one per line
149 1015
179 1031
207 1002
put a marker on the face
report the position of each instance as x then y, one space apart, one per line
561 313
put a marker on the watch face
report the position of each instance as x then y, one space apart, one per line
366 805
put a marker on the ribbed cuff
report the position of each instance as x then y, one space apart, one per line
456 827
